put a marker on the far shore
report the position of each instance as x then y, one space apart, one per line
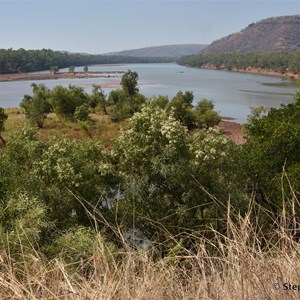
109 65
288 75
252 70
58 75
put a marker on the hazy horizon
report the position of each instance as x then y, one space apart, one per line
101 26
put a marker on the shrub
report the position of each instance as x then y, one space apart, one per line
205 115
82 112
65 100
272 149
169 177
37 106
22 220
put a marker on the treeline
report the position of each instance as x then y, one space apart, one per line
21 60
277 61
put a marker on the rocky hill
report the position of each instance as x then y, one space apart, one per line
162 51
272 34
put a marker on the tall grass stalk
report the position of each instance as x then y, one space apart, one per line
238 265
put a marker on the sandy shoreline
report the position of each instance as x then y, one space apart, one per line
63 75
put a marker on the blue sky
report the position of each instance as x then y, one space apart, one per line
100 26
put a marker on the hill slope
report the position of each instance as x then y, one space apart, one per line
272 34
162 51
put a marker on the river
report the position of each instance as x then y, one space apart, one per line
232 93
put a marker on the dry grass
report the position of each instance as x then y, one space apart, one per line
225 268
103 128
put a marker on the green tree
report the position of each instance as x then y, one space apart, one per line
127 101
116 96
54 69
37 106
205 115
3 118
82 112
160 101
182 107
65 100
98 99
126 106
129 82
71 69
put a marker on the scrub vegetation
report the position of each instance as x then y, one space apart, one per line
166 208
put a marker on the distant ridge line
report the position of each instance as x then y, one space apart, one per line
162 51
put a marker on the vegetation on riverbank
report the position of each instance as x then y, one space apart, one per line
282 63
170 197
21 60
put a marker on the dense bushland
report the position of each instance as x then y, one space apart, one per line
277 61
197 203
157 174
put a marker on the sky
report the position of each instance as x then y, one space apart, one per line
101 26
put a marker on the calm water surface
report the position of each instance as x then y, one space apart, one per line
232 93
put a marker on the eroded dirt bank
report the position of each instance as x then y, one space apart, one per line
252 70
232 130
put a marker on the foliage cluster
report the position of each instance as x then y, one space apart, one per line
124 103
272 153
201 115
277 61
71 103
152 173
